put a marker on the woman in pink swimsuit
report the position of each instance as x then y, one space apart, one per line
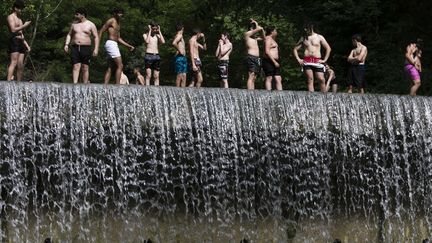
413 66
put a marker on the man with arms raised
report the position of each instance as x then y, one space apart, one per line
180 59
271 63
253 61
194 47
357 59
312 64
112 25
17 43
152 57
79 35
223 52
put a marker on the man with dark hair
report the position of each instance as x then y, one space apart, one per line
253 60
194 47
180 60
357 59
17 43
312 63
271 64
152 57
79 36
112 25
223 52
412 65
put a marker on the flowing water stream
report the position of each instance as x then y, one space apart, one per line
94 163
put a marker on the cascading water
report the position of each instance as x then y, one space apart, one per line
93 163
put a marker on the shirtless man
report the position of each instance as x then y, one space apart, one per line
17 43
223 52
271 64
180 59
79 35
357 59
312 64
112 25
152 57
253 61
413 65
194 47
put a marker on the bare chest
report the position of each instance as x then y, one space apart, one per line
82 28
357 51
153 40
312 41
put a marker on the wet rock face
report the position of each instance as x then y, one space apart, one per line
107 163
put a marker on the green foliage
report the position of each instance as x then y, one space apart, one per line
386 28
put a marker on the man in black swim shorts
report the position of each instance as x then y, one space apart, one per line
79 35
253 61
17 44
271 62
223 52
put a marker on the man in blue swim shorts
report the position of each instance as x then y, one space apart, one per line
180 60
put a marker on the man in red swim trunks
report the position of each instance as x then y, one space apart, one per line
312 64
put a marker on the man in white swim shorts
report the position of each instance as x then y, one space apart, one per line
112 25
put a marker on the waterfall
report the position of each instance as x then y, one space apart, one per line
95 163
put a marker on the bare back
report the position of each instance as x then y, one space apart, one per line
113 29
180 44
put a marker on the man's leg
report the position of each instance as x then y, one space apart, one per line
199 79
156 77
310 79
224 83
107 76
183 80
179 80
321 79
268 82
251 80
193 80
12 65
85 73
192 84
20 67
119 68
148 76
278 80
415 86
75 72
